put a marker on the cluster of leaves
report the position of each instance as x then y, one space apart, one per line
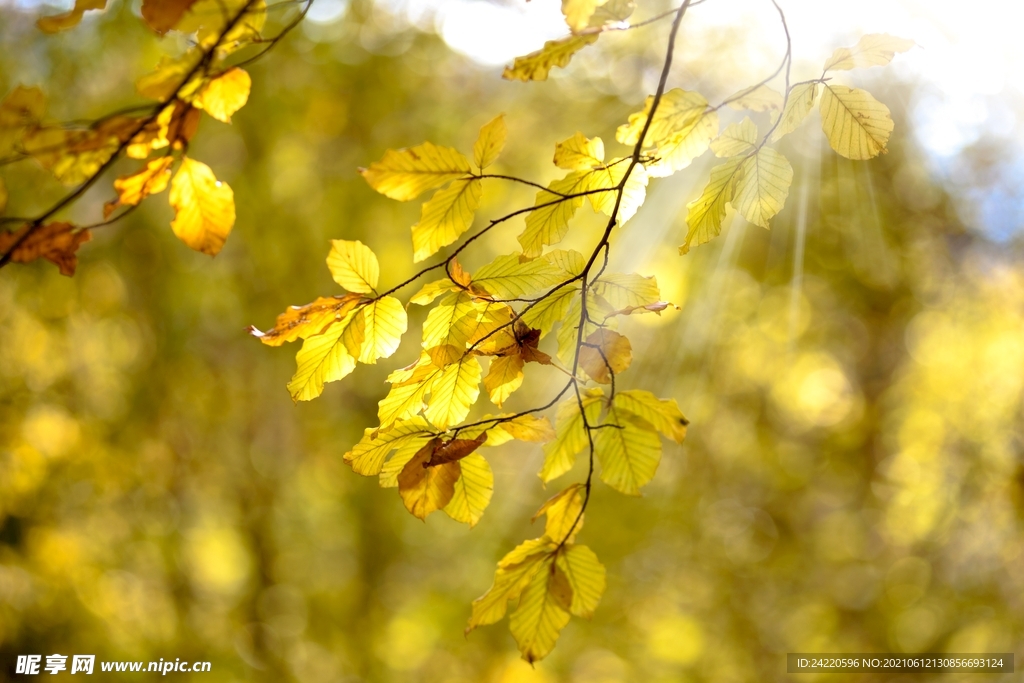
202 79
502 312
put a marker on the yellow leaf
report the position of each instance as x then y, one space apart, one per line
431 291
578 12
133 188
570 434
564 513
166 80
568 333
62 22
73 156
763 186
536 65
225 94
539 619
209 19
354 266
756 98
569 261
514 572
705 214
551 310
876 49
549 221
798 106
204 207
405 174
631 290
490 142
529 428
612 12
163 15
504 376
678 150
456 319
367 457
323 358
447 215
662 414
300 322
579 154
408 388
633 192
472 490
856 124
629 454
426 489
605 353
453 393
376 330
737 138
586 577
506 277
678 111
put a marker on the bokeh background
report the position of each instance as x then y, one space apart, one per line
852 480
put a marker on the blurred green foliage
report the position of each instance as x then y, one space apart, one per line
852 480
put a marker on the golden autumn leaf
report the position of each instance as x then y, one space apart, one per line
678 111
661 414
225 94
737 138
540 616
376 330
629 454
504 376
529 428
549 221
354 266
678 151
473 490
134 187
173 127
71 18
323 358
876 49
508 277
585 576
300 322
627 290
763 186
163 15
75 155
579 153
756 98
444 217
578 12
634 192
564 512
453 393
55 242
204 207
555 53
515 570
367 457
705 214
405 174
170 76
491 142
425 489
856 124
604 354
798 106
570 434
208 19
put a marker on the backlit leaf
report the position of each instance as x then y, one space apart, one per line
447 215
490 142
705 214
633 192
756 98
856 124
564 512
763 186
550 310
539 619
426 489
579 154
555 53
548 224
168 76
204 207
472 490
678 111
737 138
354 266
405 174
133 188
678 150
570 434
453 393
529 428
507 277
629 454
624 290
798 106
514 572
224 95
876 49
376 330
586 577
300 322
578 12
604 354
662 414
367 457
163 15
431 291
504 376
323 358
